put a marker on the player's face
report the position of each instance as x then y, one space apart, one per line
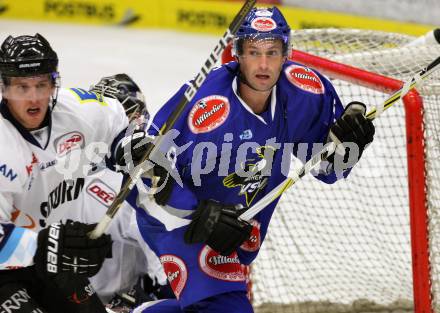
28 99
261 63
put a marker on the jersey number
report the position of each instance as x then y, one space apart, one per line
87 96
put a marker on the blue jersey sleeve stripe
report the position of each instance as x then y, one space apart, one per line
12 243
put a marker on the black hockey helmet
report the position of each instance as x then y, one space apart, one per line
126 91
25 55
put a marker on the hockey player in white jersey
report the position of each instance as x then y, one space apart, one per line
140 277
50 138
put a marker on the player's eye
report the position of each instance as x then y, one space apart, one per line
273 53
43 85
22 88
254 53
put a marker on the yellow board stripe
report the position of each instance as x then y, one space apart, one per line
183 15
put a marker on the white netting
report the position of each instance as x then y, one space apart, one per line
346 247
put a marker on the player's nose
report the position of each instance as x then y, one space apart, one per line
263 62
33 95
37 95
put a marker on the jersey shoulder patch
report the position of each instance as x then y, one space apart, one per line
304 78
208 113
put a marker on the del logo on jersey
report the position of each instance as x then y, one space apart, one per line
252 179
101 192
208 114
68 142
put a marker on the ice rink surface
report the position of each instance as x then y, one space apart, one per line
159 61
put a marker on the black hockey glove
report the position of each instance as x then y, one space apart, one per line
218 226
352 127
132 150
163 182
67 248
76 292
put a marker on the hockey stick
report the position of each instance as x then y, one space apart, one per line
189 94
330 148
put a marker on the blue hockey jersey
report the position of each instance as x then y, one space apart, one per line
226 152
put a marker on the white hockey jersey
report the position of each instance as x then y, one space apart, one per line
42 175
131 256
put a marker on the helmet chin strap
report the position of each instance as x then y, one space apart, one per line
57 83
55 97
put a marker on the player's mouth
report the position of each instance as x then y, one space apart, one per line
33 111
262 76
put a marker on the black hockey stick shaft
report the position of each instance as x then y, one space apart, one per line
208 65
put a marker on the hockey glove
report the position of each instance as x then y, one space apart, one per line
76 292
132 149
352 127
218 226
163 182
67 248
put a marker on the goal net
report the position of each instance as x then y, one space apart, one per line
369 243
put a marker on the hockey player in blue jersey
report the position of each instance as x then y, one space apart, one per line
234 145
